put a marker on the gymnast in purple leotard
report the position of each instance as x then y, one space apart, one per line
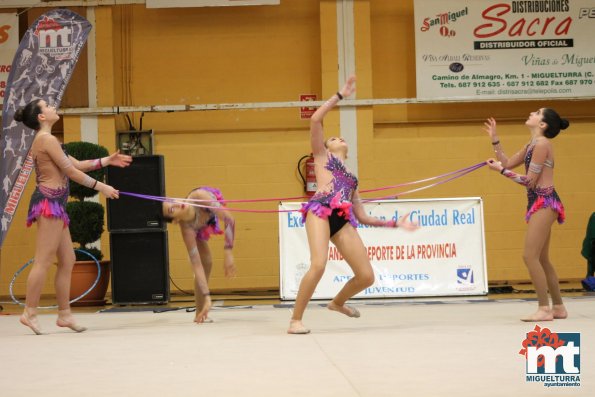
197 224
331 215
544 206
334 203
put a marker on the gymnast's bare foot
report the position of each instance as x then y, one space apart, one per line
543 313
296 327
559 311
345 309
30 320
207 320
66 319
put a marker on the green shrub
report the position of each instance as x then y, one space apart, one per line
86 217
86 151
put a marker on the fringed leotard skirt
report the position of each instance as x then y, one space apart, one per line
334 205
544 197
50 203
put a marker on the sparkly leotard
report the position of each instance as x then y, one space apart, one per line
336 200
46 201
205 230
542 197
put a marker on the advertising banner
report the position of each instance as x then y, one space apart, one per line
9 41
446 256
41 69
486 49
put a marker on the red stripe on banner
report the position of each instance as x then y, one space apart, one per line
19 186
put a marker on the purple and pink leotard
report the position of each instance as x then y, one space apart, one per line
48 202
338 199
204 231
542 197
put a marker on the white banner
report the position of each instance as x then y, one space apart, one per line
207 3
486 49
446 256
9 42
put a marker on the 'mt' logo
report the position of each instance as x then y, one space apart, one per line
55 38
53 34
548 352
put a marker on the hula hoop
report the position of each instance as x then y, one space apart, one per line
18 272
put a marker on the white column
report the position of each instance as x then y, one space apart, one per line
89 125
346 62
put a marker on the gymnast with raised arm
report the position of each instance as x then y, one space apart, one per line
197 224
53 169
544 205
332 215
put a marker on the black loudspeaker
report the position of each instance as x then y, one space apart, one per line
140 266
144 176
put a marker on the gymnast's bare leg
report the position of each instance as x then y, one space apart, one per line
351 247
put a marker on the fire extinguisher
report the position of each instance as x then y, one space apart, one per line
309 180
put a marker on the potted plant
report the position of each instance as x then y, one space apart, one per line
86 227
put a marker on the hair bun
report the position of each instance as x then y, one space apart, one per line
564 124
18 115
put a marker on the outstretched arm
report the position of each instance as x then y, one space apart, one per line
54 150
316 132
115 159
365 219
535 167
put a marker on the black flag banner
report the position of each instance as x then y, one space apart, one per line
41 69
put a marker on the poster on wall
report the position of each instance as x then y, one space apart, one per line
486 49
9 41
445 257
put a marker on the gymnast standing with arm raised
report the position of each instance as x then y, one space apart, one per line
53 169
332 215
544 205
